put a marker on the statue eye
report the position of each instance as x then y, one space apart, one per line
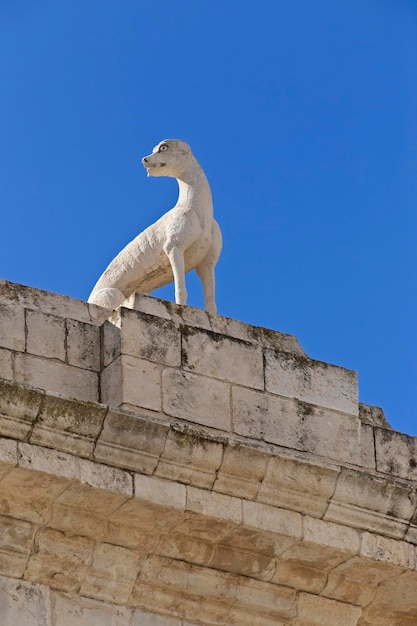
162 148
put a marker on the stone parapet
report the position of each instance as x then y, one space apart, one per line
216 475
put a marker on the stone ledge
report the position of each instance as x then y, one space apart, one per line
189 520
155 444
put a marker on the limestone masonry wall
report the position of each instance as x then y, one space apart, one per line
164 467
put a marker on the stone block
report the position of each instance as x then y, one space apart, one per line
271 519
16 537
142 618
263 336
396 454
216 505
56 464
131 383
12 327
143 336
295 424
395 603
6 364
314 382
186 548
77 611
78 521
388 550
45 335
104 477
56 377
149 305
298 485
100 490
158 491
59 560
345 589
51 303
28 494
196 398
190 457
8 456
225 358
316 611
83 345
331 535
68 425
111 574
23 604
267 598
367 446
149 519
242 471
303 568
249 552
131 442
375 503
19 407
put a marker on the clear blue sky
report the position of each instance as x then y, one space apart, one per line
304 116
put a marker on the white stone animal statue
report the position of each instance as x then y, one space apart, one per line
185 238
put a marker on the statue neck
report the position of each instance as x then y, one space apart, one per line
194 191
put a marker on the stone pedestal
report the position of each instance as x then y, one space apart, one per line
163 467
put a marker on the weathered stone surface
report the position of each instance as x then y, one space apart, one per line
367 446
373 416
12 327
16 538
45 335
396 603
132 442
293 518
8 455
316 611
6 364
111 574
218 324
387 550
225 358
143 336
19 407
83 345
332 535
19 296
68 425
190 457
59 561
372 502
158 491
242 471
314 382
67 610
298 485
28 495
295 424
56 377
214 505
51 462
132 383
23 604
196 398
396 454
272 519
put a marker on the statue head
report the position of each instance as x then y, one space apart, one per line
170 157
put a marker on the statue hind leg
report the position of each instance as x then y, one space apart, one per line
109 298
205 270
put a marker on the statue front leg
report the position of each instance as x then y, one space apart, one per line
175 255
